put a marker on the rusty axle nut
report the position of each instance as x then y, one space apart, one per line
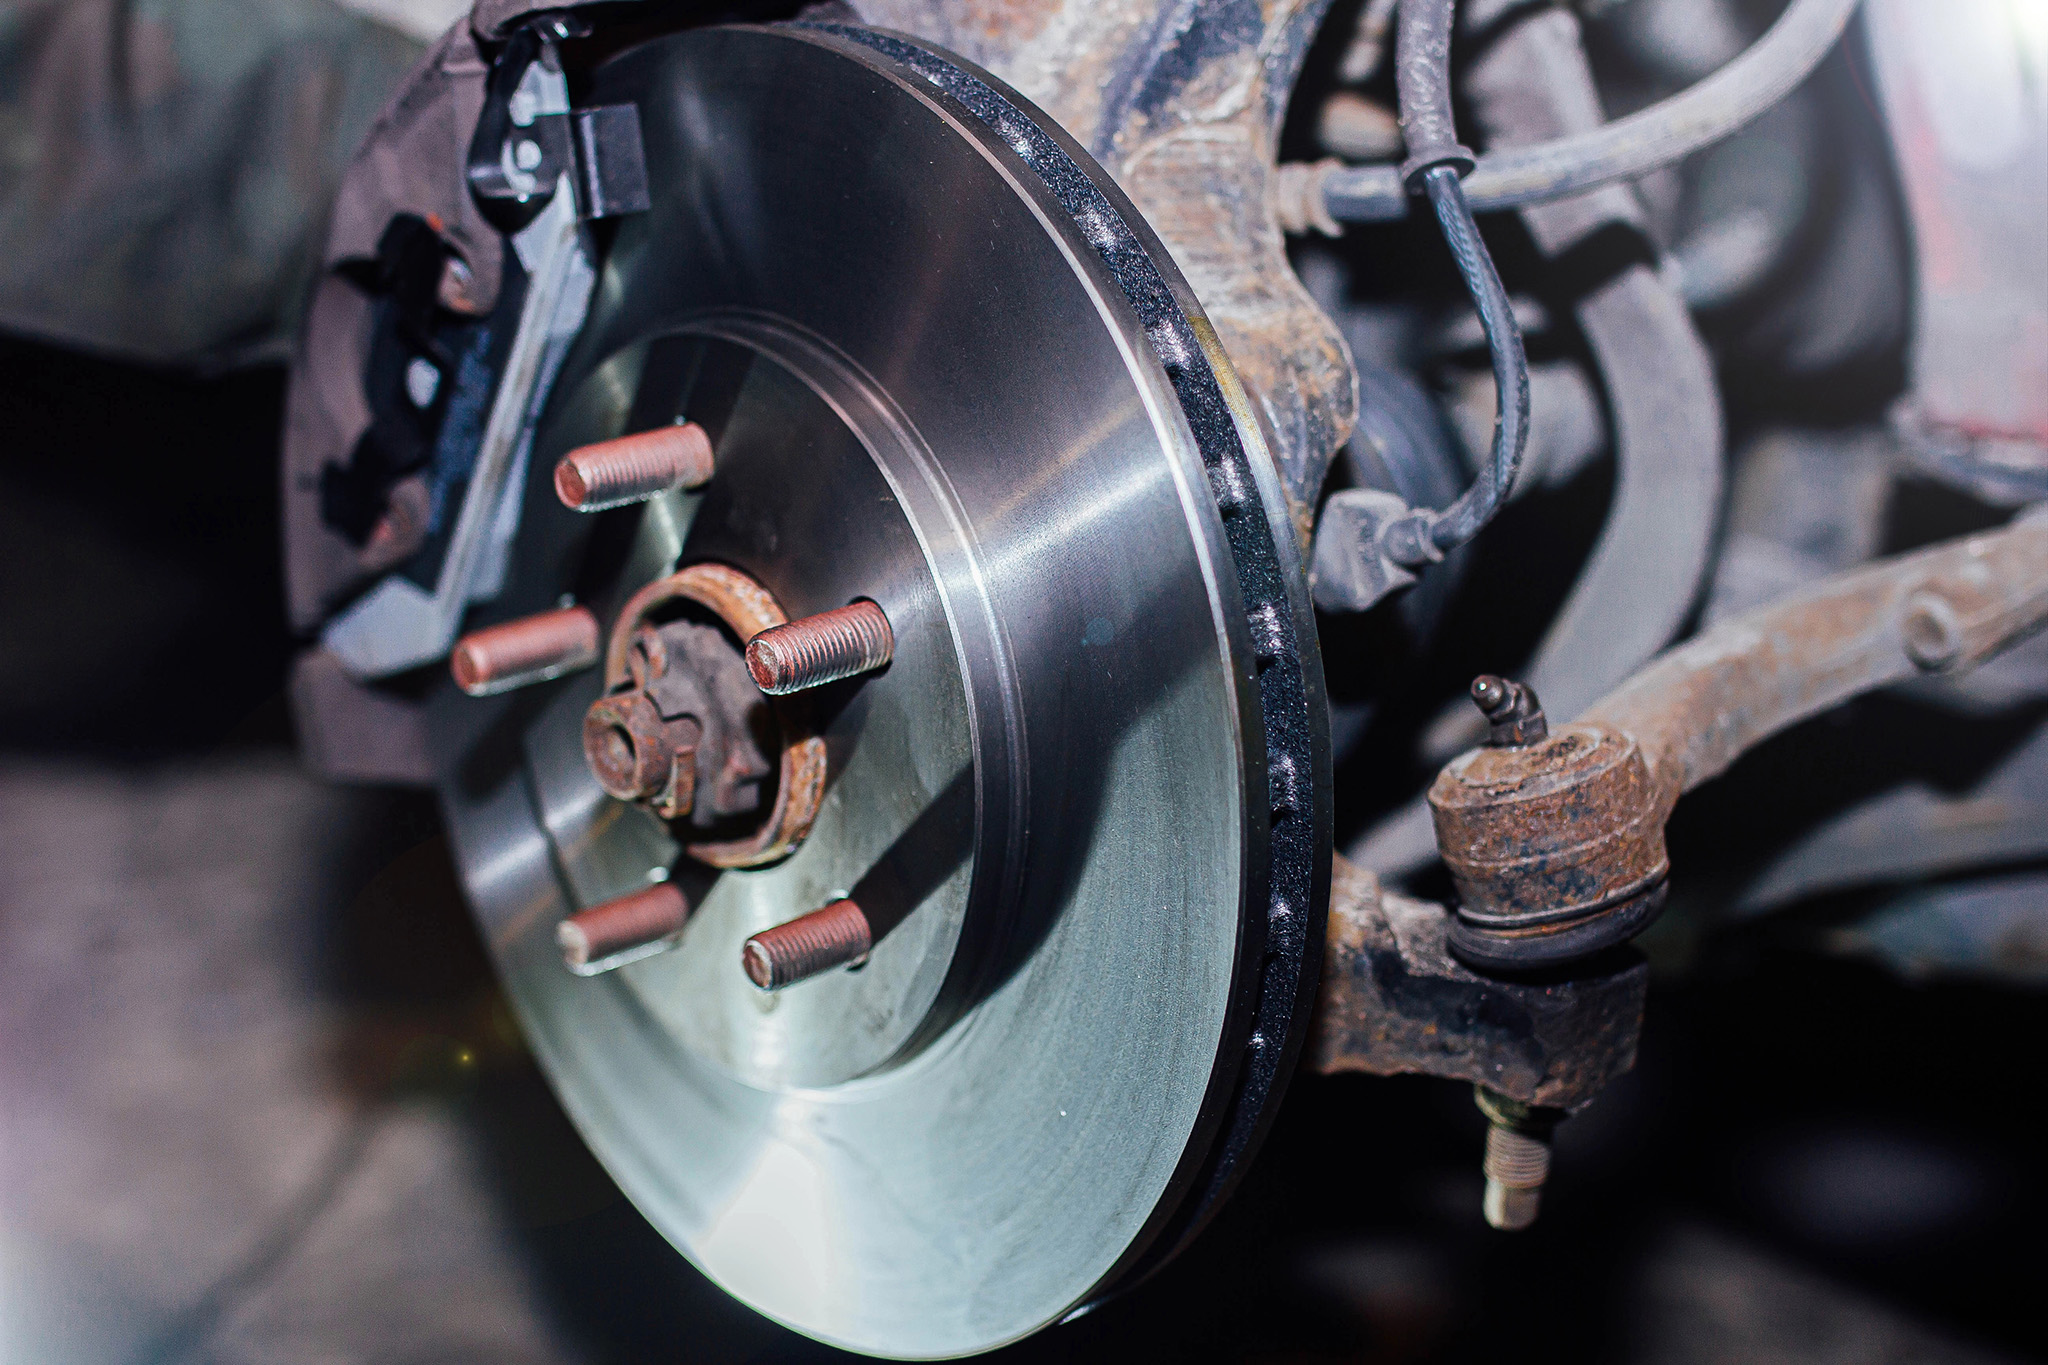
637 756
821 649
634 468
837 936
529 650
611 934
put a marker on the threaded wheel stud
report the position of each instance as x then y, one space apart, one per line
837 936
821 649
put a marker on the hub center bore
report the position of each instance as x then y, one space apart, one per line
786 717
687 735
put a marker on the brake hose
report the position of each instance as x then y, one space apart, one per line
1436 160
1665 132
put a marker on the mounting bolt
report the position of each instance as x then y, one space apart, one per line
634 468
529 650
611 934
1517 1158
837 936
821 649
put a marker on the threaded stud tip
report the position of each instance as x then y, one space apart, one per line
821 649
837 936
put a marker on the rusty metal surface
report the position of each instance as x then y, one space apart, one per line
822 649
747 609
639 755
1183 105
1566 836
839 935
1546 834
1394 1001
1697 708
603 936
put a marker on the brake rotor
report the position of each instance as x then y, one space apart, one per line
946 369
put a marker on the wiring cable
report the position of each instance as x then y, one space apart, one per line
1436 161
1771 68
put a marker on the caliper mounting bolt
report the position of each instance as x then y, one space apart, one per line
821 649
837 936
529 650
634 468
605 934
1517 1158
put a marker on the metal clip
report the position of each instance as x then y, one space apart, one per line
522 142
527 137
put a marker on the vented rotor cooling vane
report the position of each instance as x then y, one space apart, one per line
1050 775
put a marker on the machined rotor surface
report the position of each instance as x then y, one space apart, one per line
1066 800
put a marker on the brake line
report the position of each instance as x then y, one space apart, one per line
1436 161
1667 131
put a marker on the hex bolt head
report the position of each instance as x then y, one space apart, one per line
634 468
837 936
821 649
529 650
608 935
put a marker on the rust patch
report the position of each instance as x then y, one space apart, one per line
1394 1001
1552 832
747 609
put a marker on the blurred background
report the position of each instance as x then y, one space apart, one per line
260 1100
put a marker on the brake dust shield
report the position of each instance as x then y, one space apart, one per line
945 367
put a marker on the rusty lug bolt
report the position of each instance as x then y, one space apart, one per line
1517 1159
529 650
837 936
614 933
821 649
634 468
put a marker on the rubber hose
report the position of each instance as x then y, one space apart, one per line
1657 136
1422 80
1436 161
1477 505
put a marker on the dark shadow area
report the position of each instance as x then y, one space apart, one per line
143 610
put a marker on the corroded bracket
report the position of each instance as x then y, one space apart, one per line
1554 845
1394 1001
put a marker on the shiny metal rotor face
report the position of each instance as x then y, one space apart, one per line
924 389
